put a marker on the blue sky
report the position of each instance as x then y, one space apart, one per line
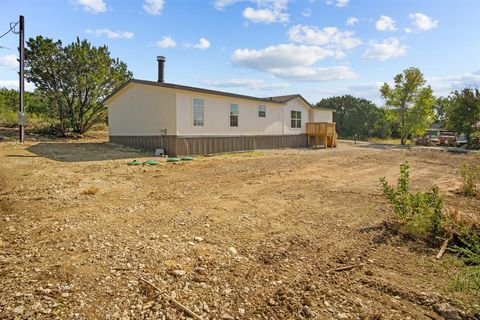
318 48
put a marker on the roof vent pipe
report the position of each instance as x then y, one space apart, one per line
161 68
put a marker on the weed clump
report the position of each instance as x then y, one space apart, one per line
91 191
469 248
470 175
421 212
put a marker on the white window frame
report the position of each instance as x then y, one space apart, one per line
260 107
197 110
233 115
295 119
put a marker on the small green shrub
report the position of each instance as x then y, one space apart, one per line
468 279
420 212
8 118
470 175
475 140
469 249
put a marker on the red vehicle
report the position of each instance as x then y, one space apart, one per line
447 138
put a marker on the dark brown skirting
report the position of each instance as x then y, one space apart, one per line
177 145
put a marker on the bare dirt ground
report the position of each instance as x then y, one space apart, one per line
243 236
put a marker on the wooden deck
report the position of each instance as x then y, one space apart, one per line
323 132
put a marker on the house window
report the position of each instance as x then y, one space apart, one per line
261 111
296 118
234 115
198 109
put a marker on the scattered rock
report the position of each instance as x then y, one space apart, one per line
342 316
148 305
198 239
232 250
65 287
179 273
241 311
19 310
205 307
448 312
308 313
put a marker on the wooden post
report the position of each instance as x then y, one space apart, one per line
21 111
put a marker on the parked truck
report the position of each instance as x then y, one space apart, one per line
441 137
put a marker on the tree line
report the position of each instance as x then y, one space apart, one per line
73 80
409 109
71 83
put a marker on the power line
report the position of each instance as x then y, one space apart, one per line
12 28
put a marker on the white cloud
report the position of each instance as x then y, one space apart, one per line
266 11
202 44
369 90
422 21
13 84
252 84
111 34
387 49
445 85
306 12
166 42
280 57
316 74
95 6
351 21
9 61
385 23
265 15
293 62
153 7
329 36
338 3
221 4
408 30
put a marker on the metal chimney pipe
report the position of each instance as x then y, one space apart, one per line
161 68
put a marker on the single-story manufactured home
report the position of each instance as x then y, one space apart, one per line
185 120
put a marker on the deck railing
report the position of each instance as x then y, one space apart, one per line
324 131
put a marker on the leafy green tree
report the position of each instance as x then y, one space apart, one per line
9 103
9 99
463 113
440 107
412 100
74 80
356 117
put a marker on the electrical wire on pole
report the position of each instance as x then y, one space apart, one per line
12 28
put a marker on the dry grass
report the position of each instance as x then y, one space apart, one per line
388 141
90 191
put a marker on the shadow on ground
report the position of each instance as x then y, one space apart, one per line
83 151
382 146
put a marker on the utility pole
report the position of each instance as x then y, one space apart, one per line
21 112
